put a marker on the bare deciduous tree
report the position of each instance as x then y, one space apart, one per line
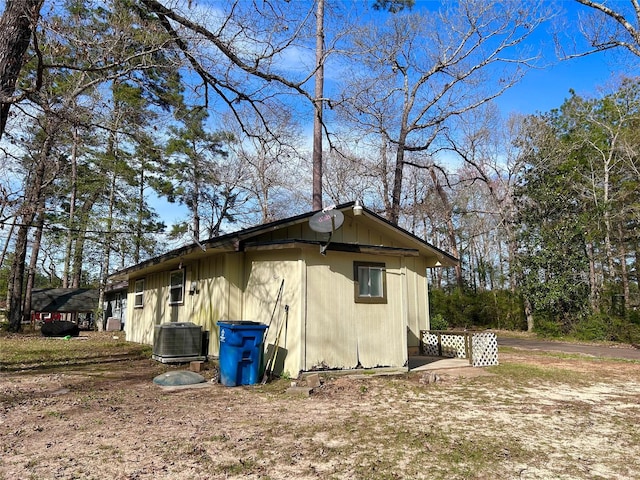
243 57
270 159
611 25
420 70
484 142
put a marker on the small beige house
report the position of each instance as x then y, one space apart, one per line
355 298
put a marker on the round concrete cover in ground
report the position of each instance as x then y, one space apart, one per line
183 377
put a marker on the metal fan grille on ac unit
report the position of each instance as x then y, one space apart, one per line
177 342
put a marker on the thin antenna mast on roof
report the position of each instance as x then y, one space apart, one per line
204 249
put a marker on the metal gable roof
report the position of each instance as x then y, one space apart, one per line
234 241
64 300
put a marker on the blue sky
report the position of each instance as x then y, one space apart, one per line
541 90
545 89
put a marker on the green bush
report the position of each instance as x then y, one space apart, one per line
438 322
603 327
502 309
468 309
634 317
547 328
621 330
594 327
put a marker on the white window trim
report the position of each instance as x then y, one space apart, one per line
173 287
138 293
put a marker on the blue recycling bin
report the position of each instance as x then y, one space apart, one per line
240 352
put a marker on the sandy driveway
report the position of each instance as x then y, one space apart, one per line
533 417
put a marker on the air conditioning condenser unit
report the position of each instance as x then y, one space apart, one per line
178 342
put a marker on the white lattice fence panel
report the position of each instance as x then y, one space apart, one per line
430 344
453 346
484 349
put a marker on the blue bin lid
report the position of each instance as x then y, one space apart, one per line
241 324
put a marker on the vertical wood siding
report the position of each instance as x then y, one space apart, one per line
417 301
218 297
265 273
342 333
325 327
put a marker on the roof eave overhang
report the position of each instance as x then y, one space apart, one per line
235 242
333 247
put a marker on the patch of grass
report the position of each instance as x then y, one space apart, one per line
222 437
564 355
244 466
112 452
525 374
197 452
30 352
31 463
276 386
370 446
54 414
463 454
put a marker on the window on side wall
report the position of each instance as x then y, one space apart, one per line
176 287
370 282
138 301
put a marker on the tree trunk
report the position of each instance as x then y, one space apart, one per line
33 262
16 25
106 253
451 231
138 234
4 254
398 176
72 211
513 277
624 274
81 235
396 194
528 312
76 270
196 210
593 287
318 106
17 276
7 241
34 192
384 175
475 268
636 263
608 250
501 266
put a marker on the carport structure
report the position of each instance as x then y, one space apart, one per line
74 304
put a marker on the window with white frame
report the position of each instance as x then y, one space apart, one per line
138 301
176 287
370 282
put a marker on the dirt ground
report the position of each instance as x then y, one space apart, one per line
536 416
